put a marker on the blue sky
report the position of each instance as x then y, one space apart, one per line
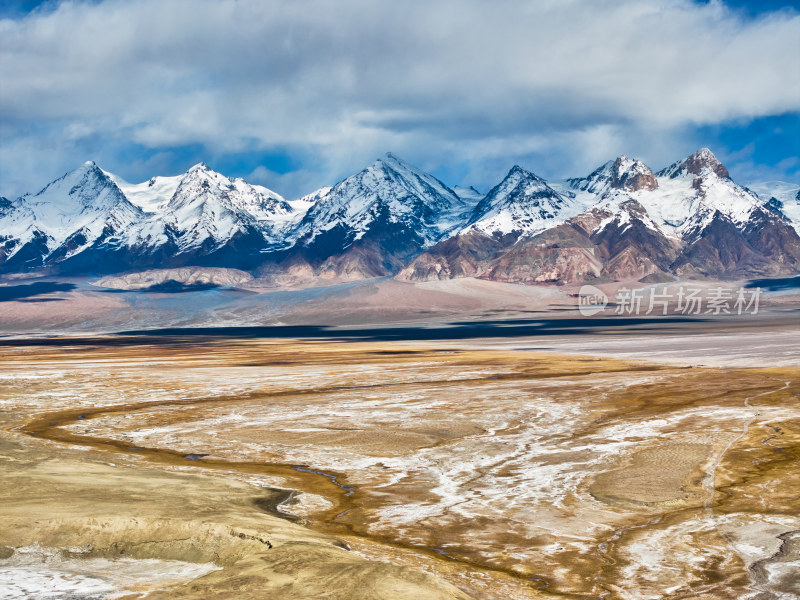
296 94
756 7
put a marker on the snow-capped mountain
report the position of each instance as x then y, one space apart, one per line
82 209
534 231
782 196
522 204
681 208
621 222
624 222
376 220
624 173
203 207
307 201
389 188
208 210
90 219
678 199
693 190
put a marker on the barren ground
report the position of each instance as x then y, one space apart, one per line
421 471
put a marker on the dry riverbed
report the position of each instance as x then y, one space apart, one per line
298 469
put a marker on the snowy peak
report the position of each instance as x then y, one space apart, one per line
158 194
702 164
199 186
632 175
423 185
202 184
77 199
521 204
628 174
597 182
209 209
693 190
77 211
314 197
85 187
518 184
201 166
95 220
619 211
388 193
778 195
679 200
519 187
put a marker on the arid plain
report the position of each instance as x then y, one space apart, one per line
296 468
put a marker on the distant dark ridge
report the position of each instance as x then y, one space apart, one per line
467 330
31 290
776 285
176 287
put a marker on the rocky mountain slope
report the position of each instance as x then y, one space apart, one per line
688 220
621 222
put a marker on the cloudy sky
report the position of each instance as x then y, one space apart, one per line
296 94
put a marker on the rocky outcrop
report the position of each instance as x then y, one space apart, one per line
529 264
187 276
466 255
631 244
632 175
703 161
700 163
626 174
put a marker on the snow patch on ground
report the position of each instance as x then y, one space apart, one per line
47 573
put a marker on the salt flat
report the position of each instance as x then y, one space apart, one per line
770 347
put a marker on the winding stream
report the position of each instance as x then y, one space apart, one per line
344 497
335 487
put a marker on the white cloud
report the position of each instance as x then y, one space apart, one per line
434 80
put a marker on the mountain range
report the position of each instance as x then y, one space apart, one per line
621 222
